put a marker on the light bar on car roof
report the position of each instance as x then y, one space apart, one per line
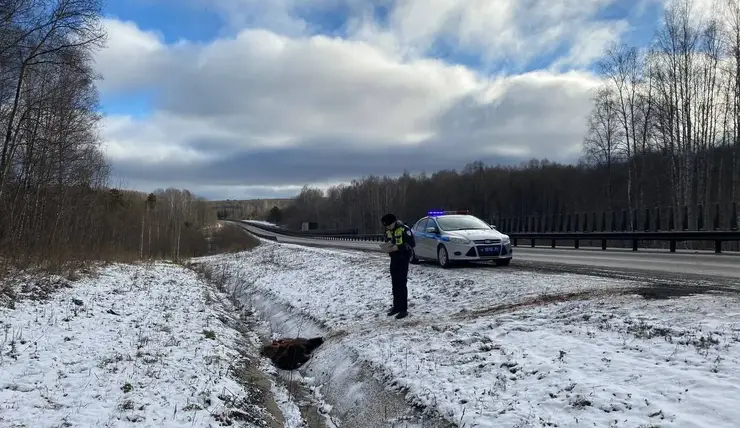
448 212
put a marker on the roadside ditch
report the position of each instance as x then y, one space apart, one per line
354 394
333 389
267 390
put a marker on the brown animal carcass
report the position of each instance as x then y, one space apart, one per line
291 354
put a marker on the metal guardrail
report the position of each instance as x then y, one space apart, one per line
672 237
331 236
667 219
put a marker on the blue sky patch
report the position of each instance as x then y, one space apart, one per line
329 21
381 13
174 19
444 49
137 104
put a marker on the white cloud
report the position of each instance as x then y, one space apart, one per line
129 54
157 139
514 31
594 40
280 107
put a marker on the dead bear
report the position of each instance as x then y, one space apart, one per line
291 354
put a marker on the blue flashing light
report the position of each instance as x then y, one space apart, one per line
434 213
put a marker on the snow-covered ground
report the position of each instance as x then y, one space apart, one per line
132 345
262 222
493 347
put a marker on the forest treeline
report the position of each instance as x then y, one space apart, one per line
664 131
55 205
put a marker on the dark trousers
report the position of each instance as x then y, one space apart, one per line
399 276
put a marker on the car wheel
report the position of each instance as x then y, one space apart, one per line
414 259
502 262
442 257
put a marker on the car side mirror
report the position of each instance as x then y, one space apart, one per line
432 230
493 226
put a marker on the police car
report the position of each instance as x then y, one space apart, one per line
457 236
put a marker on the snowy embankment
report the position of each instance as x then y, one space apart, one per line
145 345
264 223
492 347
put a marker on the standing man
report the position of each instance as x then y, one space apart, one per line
399 244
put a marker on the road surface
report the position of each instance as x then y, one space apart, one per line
680 264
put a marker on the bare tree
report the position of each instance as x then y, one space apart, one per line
54 203
731 123
56 34
605 135
630 75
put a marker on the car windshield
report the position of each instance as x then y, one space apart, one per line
461 222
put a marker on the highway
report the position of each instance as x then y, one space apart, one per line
724 266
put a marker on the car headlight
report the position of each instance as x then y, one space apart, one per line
506 240
459 240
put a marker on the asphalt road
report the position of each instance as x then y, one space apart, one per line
702 265
724 266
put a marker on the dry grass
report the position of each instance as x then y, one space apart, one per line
229 238
19 282
29 278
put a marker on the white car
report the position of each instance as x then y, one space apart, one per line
455 236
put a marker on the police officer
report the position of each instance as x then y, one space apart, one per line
399 241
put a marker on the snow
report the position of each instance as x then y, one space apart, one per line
291 413
133 345
491 347
581 363
347 288
262 222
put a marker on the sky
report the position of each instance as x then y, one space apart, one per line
245 99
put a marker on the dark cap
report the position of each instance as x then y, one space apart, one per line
388 219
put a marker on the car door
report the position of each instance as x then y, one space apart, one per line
432 239
422 239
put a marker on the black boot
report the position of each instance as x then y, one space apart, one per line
401 315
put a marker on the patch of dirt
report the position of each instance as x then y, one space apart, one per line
662 291
17 284
259 387
291 354
40 288
655 291
7 296
303 399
